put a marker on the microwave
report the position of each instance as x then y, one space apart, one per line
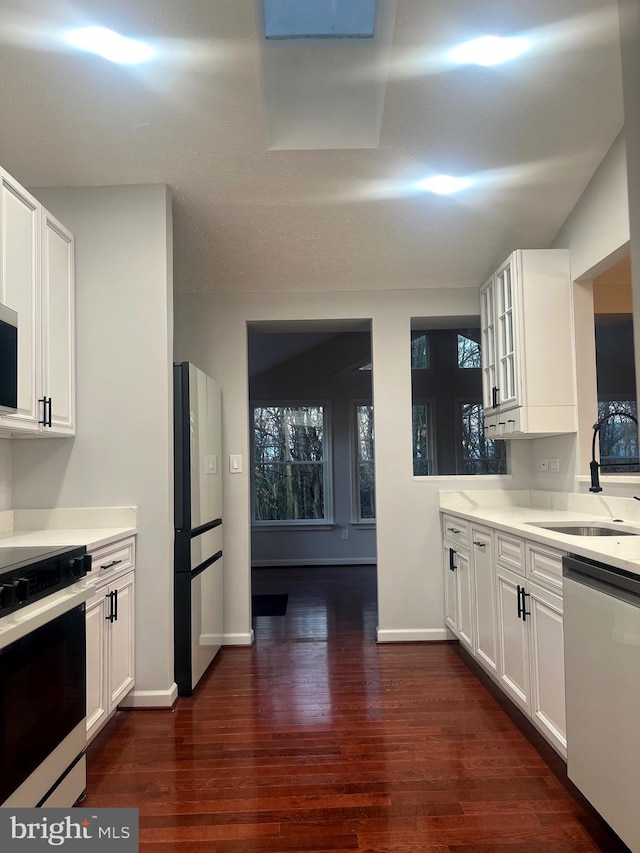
8 359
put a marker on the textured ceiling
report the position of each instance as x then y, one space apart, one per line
250 219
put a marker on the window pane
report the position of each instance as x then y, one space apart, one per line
283 433
422 440
366 468
618 437
480 455
420 353
285 492
469 354
366 481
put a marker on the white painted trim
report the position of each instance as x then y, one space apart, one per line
317 561
238 639
413 635
151 698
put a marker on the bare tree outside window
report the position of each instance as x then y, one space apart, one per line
479 455
366 465
618 437
469 353
289 463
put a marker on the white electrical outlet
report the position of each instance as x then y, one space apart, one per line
345 532
554 465
543 464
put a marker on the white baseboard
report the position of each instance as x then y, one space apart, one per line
413 635
151 698
316 561
238 639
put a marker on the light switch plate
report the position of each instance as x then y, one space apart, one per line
554 465
211 464
235 464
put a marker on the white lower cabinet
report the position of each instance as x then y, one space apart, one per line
458 594
483 596
503 600
110 642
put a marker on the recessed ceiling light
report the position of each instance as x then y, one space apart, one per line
489 50
444 184
110 45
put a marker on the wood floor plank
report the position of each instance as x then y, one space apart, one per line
317 739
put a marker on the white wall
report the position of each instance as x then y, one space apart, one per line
596 233
122 454
210 330
6 473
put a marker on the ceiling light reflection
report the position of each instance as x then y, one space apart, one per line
110 45
489 50
444 184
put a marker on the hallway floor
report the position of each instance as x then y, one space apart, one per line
316 739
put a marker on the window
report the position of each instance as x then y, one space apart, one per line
420 355
618 437
479 455
422 426
447 413
289 463
365 470
469 354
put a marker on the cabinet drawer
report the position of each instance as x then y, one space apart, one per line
111 559
455 530
509 422
544 565
510 552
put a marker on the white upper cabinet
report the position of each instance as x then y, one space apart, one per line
528 365
20 240
58 325
37 281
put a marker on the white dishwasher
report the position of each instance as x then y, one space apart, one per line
602 678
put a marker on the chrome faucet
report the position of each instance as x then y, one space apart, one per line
593 465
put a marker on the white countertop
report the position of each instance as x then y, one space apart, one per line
487 508
90 526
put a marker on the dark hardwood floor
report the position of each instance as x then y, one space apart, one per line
317 739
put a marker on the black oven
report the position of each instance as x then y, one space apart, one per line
8 358
42 694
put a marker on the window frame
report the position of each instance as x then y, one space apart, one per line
327 463
355 464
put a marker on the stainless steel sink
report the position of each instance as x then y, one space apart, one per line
586 529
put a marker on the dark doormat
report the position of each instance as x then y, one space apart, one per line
269 605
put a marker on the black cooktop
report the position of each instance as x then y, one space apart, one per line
31 573
17 557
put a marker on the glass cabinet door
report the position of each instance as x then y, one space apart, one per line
489 359
506 337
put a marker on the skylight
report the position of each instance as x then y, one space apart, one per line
110 45
292 19
489 50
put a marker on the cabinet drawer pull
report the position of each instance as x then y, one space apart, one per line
511 421
480 544
111 564
453 530
452 564
520 591
525 612
111 616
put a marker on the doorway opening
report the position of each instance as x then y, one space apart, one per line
313 533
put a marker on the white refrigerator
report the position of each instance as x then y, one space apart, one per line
198 563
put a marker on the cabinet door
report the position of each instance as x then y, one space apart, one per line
58 325
450 590
488 344
486 639
20 215
121 640
513 668
97 701
506 336
465 597
546 647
